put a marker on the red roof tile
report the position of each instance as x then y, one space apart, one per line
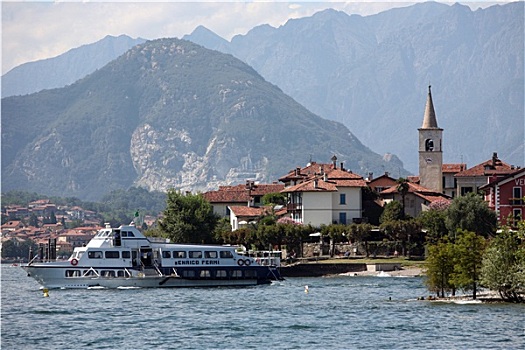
490 167
453 168
313 185
249 211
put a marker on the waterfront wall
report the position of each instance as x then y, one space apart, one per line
320 269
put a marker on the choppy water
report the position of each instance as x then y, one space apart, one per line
337 313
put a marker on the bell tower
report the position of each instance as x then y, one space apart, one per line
430 149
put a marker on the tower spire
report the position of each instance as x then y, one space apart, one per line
429 119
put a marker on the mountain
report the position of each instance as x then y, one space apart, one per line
371 74
167 114
66 68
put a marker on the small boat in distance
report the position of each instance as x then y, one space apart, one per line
123 258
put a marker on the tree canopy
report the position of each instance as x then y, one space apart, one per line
188 218
471 213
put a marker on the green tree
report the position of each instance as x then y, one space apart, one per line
33 220
434 221
393 211
440 267
471 213
360 233
188 218
402 188
469 256
275 198
15 249
503 270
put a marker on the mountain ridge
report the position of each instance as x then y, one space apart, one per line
167 114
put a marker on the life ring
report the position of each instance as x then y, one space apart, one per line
240 262
247 262
74 262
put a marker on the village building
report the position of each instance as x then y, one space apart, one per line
247 195
416 200
471 179
381 183
505 195
242 216
449 180
324 194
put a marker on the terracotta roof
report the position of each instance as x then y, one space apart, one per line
248 211
413 179
227 196
350 183
240 193
432 197
517 172
453 168
336 174
313 185
262 189
412 188
492 166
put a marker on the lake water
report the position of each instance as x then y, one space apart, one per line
343 312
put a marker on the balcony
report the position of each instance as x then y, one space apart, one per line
294 206
516 201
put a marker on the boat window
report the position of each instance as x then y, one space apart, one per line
127 234
195 254
166 254
94 254
221 273
179 254
226 254
106 234
72 273
126 254
188 273
112 254
205 273
236 273
210 254
107 273
122 273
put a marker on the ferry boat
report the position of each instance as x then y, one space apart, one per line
124 258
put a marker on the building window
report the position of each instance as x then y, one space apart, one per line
465 190
517 196
342 218
342 198
517 214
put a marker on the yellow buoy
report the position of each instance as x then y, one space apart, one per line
46 292
306 289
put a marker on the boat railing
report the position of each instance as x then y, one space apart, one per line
91 269
32 260
156 265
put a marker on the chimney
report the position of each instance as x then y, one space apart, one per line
342 167
494 158
370 176
334 161
315 183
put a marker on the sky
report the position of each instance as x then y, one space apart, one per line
35 30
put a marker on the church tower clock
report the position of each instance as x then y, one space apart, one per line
430 149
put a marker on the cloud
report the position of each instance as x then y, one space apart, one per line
38 30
